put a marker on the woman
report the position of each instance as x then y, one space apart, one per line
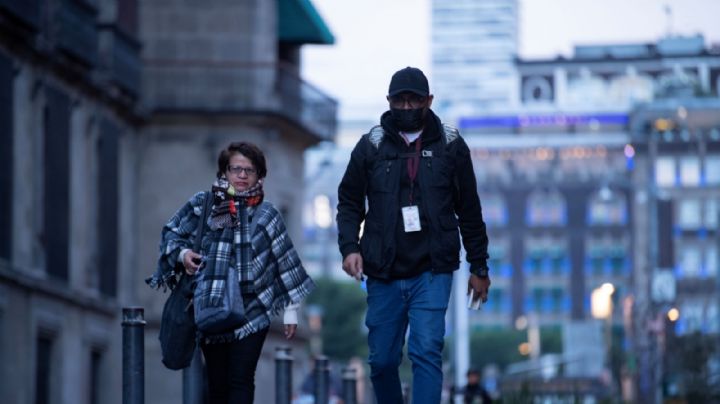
240 224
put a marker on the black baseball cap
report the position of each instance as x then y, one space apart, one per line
409 79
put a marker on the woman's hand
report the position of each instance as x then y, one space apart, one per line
191 262
290 330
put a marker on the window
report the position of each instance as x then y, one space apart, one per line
546 209
712 170
537 299
533 262
711 317
691 312
43 368
712 211
711 260
607 209
558 299
495 301
108 199
56 193
547 300
690 171
607 258
665 171
689 214
690 260
597 264
498 261
494 210
559 262
96 364
618 263
127 15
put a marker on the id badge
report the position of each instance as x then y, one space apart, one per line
411 218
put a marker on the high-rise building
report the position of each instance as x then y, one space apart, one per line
474 45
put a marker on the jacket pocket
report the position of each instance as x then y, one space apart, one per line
443 173
450 235
381 176
371 244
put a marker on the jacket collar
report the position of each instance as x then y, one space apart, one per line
431 131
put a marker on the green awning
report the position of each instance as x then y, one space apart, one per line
300 23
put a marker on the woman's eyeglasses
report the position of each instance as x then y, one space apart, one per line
237 170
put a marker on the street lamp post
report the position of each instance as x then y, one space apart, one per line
601 307
323 221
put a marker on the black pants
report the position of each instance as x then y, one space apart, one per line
231 369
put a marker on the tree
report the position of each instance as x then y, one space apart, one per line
500 346
343 311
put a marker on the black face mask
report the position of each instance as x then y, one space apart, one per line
408 120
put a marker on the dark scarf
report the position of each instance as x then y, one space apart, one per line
228 200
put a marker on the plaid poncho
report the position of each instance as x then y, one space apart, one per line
274 278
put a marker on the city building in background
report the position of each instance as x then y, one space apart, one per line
112 114
69 122
473 48
571 144
572 202
677 287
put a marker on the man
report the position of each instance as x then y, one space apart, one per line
417 177
474 392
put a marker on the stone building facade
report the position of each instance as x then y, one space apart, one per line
112 114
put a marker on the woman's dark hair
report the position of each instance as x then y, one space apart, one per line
249 150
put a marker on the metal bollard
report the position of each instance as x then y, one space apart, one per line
283 375
349 383
322 380
193 380
133 325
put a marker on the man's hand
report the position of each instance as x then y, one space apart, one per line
353 265
191 262
481 286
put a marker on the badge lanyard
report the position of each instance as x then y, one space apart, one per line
413 163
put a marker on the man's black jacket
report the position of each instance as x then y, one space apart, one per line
446 181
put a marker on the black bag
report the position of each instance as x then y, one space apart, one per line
177 327
178 333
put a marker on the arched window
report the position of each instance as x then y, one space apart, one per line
607 208
546 208
494 210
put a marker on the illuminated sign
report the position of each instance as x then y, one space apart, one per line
522 121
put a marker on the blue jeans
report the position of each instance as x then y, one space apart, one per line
421 303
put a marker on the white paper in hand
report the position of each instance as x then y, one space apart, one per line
474 301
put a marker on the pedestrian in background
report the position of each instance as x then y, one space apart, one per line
415 176
474 392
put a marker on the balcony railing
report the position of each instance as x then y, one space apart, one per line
120 55
27 11
227 87
76 30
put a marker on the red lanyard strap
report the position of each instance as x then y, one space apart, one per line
413 163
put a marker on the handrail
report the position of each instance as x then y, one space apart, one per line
257 87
